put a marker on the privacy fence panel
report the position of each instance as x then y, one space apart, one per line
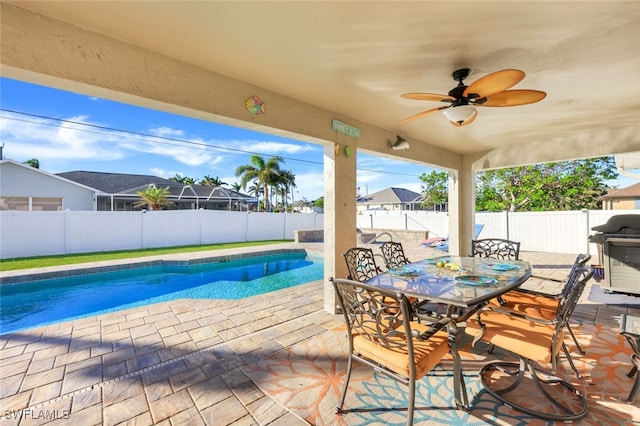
31 233
553 232
219 226
91 231
24 234
44 233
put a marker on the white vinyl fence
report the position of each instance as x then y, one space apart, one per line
554 232
25 234
45 233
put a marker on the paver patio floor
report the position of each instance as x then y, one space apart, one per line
181 362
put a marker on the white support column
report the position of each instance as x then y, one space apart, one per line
461 211
339 212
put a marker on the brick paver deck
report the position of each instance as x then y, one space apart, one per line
180 362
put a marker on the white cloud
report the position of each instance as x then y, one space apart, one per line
30 137
167 132
274 148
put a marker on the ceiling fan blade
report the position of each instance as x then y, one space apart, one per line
513 98
428 97
466 122
423 114
493 83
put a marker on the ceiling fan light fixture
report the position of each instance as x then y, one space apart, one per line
459 114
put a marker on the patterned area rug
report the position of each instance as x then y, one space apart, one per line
307 379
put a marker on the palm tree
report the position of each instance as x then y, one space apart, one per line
33 163
266 173
178 178
189 181
236 186
288 182
153 197
212 181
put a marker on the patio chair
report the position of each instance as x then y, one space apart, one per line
543 305
384 338
495 248
361 264
633 338
393 254
535 341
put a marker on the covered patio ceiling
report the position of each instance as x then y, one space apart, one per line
354 59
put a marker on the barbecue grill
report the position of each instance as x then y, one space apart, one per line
619 244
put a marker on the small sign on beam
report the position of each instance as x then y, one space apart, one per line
345 128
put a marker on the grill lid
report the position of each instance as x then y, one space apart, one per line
622 223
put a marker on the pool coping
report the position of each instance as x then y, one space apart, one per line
179 259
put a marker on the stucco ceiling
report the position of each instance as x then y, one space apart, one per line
356 58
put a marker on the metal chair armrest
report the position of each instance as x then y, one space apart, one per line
510 312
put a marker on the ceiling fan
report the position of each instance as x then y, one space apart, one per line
488 91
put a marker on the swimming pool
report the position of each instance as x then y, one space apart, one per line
50 301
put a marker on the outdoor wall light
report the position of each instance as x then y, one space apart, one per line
399 144
459 114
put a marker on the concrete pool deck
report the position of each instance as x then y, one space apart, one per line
181 362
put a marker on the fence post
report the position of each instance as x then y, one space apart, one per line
406 222
246 225
142 216
506 219
66 230
371 220
588 228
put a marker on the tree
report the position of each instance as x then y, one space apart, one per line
236 186
177 178
319 203
212 181
33 163
434 189
568 185
265 173
154 198
286 182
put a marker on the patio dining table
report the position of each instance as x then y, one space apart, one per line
457 281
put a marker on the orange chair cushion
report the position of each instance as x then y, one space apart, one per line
529 304
518 335
428 353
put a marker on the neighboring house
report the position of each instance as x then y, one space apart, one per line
622 199
389 199
119 192
26 188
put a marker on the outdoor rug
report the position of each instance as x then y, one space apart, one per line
307 379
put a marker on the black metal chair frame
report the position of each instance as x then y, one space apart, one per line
634 341
495 248
581 260
372 313
526 366
393 254
361 264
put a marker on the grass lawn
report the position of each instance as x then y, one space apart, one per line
67 259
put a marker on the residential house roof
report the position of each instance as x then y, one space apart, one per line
114 183
390 196
130 184
632 191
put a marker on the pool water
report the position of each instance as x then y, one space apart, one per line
37 303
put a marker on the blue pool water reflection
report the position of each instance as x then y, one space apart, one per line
44 302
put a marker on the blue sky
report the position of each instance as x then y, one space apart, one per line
68 131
